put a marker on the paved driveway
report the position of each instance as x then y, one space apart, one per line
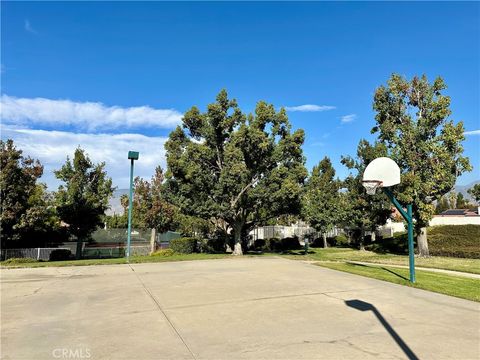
250 308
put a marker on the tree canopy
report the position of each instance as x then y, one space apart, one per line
150 208
474 192
363 212
19 192
242 169
83 198
413 121
321 200
442 205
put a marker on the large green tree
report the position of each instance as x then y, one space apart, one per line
150 207
363 212
18 184
442 205
462 203
321 206
242 169
413 121
40 225
474 192
83 199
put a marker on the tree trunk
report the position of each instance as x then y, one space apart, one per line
362 239
422 242
78 253
237 235
153 242
324 236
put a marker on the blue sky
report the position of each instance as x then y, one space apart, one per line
125 72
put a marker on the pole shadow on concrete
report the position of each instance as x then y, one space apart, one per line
364 306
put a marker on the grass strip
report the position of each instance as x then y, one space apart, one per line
133 260
462 287
346 254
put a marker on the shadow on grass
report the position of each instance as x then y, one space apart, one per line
364 306
379 267
296 252
254 253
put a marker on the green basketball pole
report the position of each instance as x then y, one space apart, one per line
409 219
411 254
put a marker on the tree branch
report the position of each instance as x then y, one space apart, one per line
234 201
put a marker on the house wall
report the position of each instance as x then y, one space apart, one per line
455 220
391 227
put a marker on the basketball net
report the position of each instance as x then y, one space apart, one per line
371 186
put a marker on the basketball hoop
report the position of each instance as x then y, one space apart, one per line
371 186
384 172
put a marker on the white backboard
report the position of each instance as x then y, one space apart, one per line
383 169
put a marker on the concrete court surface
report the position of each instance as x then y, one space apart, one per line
238 308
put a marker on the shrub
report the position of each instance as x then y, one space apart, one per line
164 253
184 245
259 245
448 240
60 254
19 261
341 240
454 240
273 245
277 245
318 242
398 244
213 245
291 243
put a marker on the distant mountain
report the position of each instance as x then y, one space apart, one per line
114 203
463 189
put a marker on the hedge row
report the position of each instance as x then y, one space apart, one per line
277 245
455 241
184 245
60 255
340 240
461 241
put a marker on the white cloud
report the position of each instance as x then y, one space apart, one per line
472 132
83 116
309 108
53 147
28 27
348 118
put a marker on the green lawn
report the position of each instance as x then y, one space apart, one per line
133 260
461 287
346 254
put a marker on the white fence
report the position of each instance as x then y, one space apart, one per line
455 220
281 232
33 253
391 227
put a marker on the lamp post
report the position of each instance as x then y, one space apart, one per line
132 155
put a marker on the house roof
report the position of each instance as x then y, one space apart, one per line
459 212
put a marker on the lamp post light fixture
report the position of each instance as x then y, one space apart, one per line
132 155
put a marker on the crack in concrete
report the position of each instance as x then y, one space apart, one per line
237 301
49 282
163 313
